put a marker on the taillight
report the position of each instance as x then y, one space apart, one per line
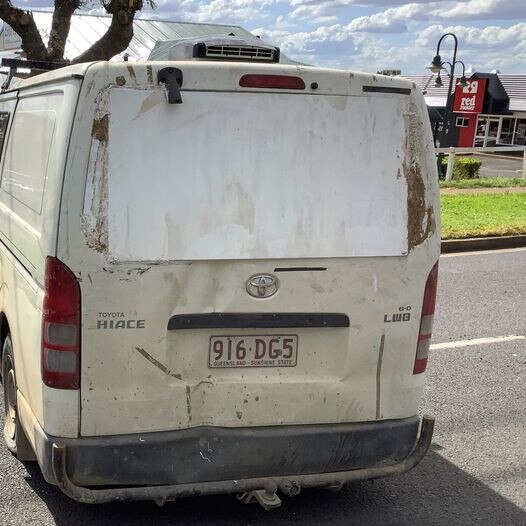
426 321
271 81
60 327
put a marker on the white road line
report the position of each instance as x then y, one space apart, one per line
475 341
482 252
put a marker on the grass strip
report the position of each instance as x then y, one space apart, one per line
484 182
482 215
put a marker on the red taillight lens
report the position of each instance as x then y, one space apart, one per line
426 321
60 327
271 81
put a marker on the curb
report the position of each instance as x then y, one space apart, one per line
482 243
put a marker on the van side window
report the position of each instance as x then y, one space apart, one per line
28 152
4 121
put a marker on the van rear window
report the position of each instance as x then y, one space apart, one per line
253 175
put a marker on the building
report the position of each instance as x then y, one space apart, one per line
489 111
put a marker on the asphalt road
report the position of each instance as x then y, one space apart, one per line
475 472
504 165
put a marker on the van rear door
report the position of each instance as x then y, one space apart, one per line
256 244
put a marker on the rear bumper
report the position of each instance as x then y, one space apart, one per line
207 460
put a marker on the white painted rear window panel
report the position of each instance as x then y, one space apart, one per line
254 175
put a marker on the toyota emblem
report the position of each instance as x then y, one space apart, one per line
262 285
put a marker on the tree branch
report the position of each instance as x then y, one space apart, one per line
24 24
119 34
60 25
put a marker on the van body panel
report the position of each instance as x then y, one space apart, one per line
33 159
141 377
27 220
135 381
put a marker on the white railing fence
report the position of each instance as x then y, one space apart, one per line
453 151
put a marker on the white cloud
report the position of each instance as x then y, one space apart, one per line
481 10
315 12
491 37
484 49
227 11
386 22
391 19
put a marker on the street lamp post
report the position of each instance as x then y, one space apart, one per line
437 65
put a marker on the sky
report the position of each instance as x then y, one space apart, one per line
367 35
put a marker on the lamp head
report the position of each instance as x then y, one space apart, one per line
438 81
436 64
463 82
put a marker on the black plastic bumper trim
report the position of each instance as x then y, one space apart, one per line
228 320
300 269
412 450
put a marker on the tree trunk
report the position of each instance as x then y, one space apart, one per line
24 24
119 34
60 25
115 40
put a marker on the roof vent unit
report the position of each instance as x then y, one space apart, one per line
224 48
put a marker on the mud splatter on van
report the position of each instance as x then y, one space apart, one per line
420 218
94 220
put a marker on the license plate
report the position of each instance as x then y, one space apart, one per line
253 351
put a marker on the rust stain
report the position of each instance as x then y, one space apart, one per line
378 374
157 364
99 129
420 218
189 403
131 71
94 224
96 238
120 80
202 382
149 74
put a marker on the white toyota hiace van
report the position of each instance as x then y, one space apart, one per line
216 276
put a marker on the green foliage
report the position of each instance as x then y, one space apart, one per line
484 182
464 167
479 215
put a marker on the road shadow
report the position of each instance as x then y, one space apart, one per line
435 492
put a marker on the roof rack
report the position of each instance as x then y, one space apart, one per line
37 66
